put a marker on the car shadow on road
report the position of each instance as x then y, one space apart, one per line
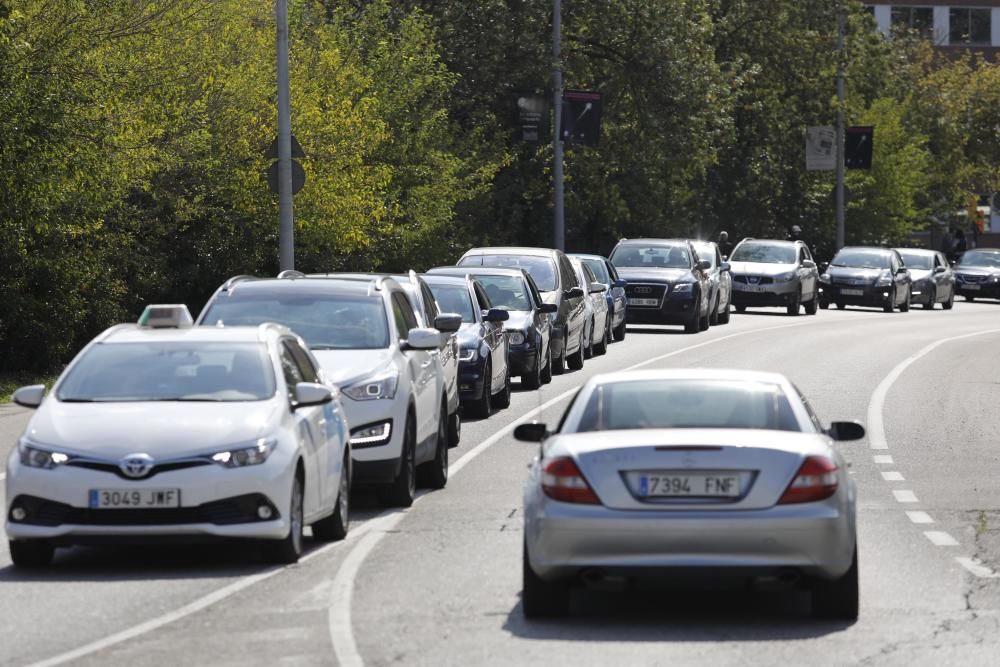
678 615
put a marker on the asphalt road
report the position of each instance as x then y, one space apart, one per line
439 584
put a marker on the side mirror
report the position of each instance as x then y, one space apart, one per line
845 431
808 264
823 266
620 283
548 308
448 322
901 271
939 269
30 396
311 393
725 266
574 293
596 288
496 315
533 432
703 265
422 339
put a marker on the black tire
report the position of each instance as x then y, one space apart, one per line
824 305
619 332
454 429
334 527
970 298
483 405
812 307
704 322
724 315
31 553
741 309
793 308
540 598
889 305
533 378
575 362
588 352
947 305
841 305
838 599
602 348
693 325
547 371
401 491
932 300
288 549
560 362
713 315
434 473
502 397
905 306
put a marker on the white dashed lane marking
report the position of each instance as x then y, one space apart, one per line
905 496
939 538
893 476
883 458
920 517
977 568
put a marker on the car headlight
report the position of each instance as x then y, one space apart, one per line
35 457
516 337
375 387
824 278
995 279
468 354
885 278
373 434
246 456
683 287
785 277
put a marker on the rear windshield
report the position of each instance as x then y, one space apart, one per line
542 269
170 371
599 269
916 260
454 299
764 253
656 257
325 322
506 292
688 404
984 258
862 259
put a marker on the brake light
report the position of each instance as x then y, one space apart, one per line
817 479
564 482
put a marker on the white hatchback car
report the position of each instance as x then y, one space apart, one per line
165 432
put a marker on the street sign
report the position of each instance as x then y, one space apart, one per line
581 117
298 177
272 150
858 147
821 148
532 119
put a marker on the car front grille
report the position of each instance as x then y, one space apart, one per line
754 280
238 509
156 469
971 279
852 281
645 291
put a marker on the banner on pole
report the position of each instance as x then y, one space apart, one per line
821 148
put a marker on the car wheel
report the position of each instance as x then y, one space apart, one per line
482 407
31 553
841 305
540 598
334 527
547 371
838 599
588 351
824 305
575 362
400 492
932 300
812 306
434 473
289 548
560 361
503 396
533 378
947 305
694 324
619 331
905 306
602 347
713 318
793 307
454 429
970 298
724 315
891 303
741 309
704 322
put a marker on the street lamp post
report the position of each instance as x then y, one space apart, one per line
559 222
841 20
286 229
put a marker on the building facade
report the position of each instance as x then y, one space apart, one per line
953 25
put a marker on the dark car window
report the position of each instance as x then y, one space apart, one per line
306 368
507 292
403 312
918 260
987 259
652 256
430 306
764 253
454 299
484 301
291 370
569 279
536 298
862 259
599 268
542 269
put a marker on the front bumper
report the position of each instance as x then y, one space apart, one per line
564 540
979 290
674 309
363 414
522 359
870 295
471 378
775 294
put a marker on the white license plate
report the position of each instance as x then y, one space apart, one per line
134 498
643 302
972 287
700 485
852 292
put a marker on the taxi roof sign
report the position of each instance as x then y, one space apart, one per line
166 316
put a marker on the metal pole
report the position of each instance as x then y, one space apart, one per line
557 144
286 229
841 26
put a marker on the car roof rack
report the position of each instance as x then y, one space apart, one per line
236 279
290 273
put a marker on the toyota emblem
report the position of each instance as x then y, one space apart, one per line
136 465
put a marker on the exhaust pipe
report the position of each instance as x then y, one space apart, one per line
778 581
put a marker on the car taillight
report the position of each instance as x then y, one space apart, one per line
816 480
564 482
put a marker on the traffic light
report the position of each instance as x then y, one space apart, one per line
858 147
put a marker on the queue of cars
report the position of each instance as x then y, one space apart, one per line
256 420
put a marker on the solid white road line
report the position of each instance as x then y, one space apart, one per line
893 476
904 496
977 568
919 517
883 458
939 538
339 624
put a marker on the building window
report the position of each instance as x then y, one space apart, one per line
917 19
969 26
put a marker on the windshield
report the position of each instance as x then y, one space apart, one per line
989 259
764 253
325 322
506 292
542 269
916 260
687 404
655 257
454 299
599 269
170 371
862 259
706 252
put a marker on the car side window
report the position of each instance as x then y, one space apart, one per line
430 305
612 271
812 415
403 314
718 256
535 296
895 262
568 274
481 298
588 273
937 260
305 365
290 369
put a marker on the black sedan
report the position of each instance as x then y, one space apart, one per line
483 372
861 276
933 279
667 283
529 327
977 274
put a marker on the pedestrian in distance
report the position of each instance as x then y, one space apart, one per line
947 242
960 245
725 245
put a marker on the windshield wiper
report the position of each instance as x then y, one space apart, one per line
78 400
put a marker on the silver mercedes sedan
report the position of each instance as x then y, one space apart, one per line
688 472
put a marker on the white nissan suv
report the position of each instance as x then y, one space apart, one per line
367 340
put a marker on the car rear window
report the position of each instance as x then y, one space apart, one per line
542 269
